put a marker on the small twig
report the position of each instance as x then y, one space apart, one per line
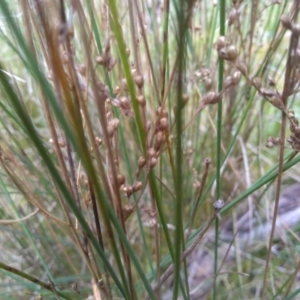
287 88
185 254
99 235
53 288
207 162
9 222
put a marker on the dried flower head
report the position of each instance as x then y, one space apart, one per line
228 82
185 98
286 22
233 16
273 142
128 190
137 186
98 141
139 80
117 90
236 77
164 113
241 67
82 69
218 204
151 152
141 162
212 98
271 81
124 84
124 104
127 211
276 101
232 53
196 185
120 179
220 43
163 122
141 100
257 82
229 53
208 84
153 162
296 29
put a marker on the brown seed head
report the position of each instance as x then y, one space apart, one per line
128 190
127 211
296 29
124 84
286 22
125 102
98 141
120 179
276 101
233 16
185 98
110 131
158 140
141 100
221 42
158 111
111 63
117 90
271 81
153 162
208 84
151 152
160 136
137 186
211 98
218 204
115 123
257 83
100 60
228 82
222 53
141 162
197 185
163 122
291 112
297 131
241 67
139 81
232 53
82 69
236 77
270 142
164 114
148 126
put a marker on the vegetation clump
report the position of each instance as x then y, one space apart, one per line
133 135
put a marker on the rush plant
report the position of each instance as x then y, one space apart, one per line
129 130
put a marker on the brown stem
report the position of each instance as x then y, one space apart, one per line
184 255
98 230
289 73
207 162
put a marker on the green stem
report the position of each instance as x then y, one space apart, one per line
34 280
219 139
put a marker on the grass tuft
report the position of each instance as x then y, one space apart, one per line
141 147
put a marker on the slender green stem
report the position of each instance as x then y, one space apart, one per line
165 48
219 141
38 282
122 49
178 160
